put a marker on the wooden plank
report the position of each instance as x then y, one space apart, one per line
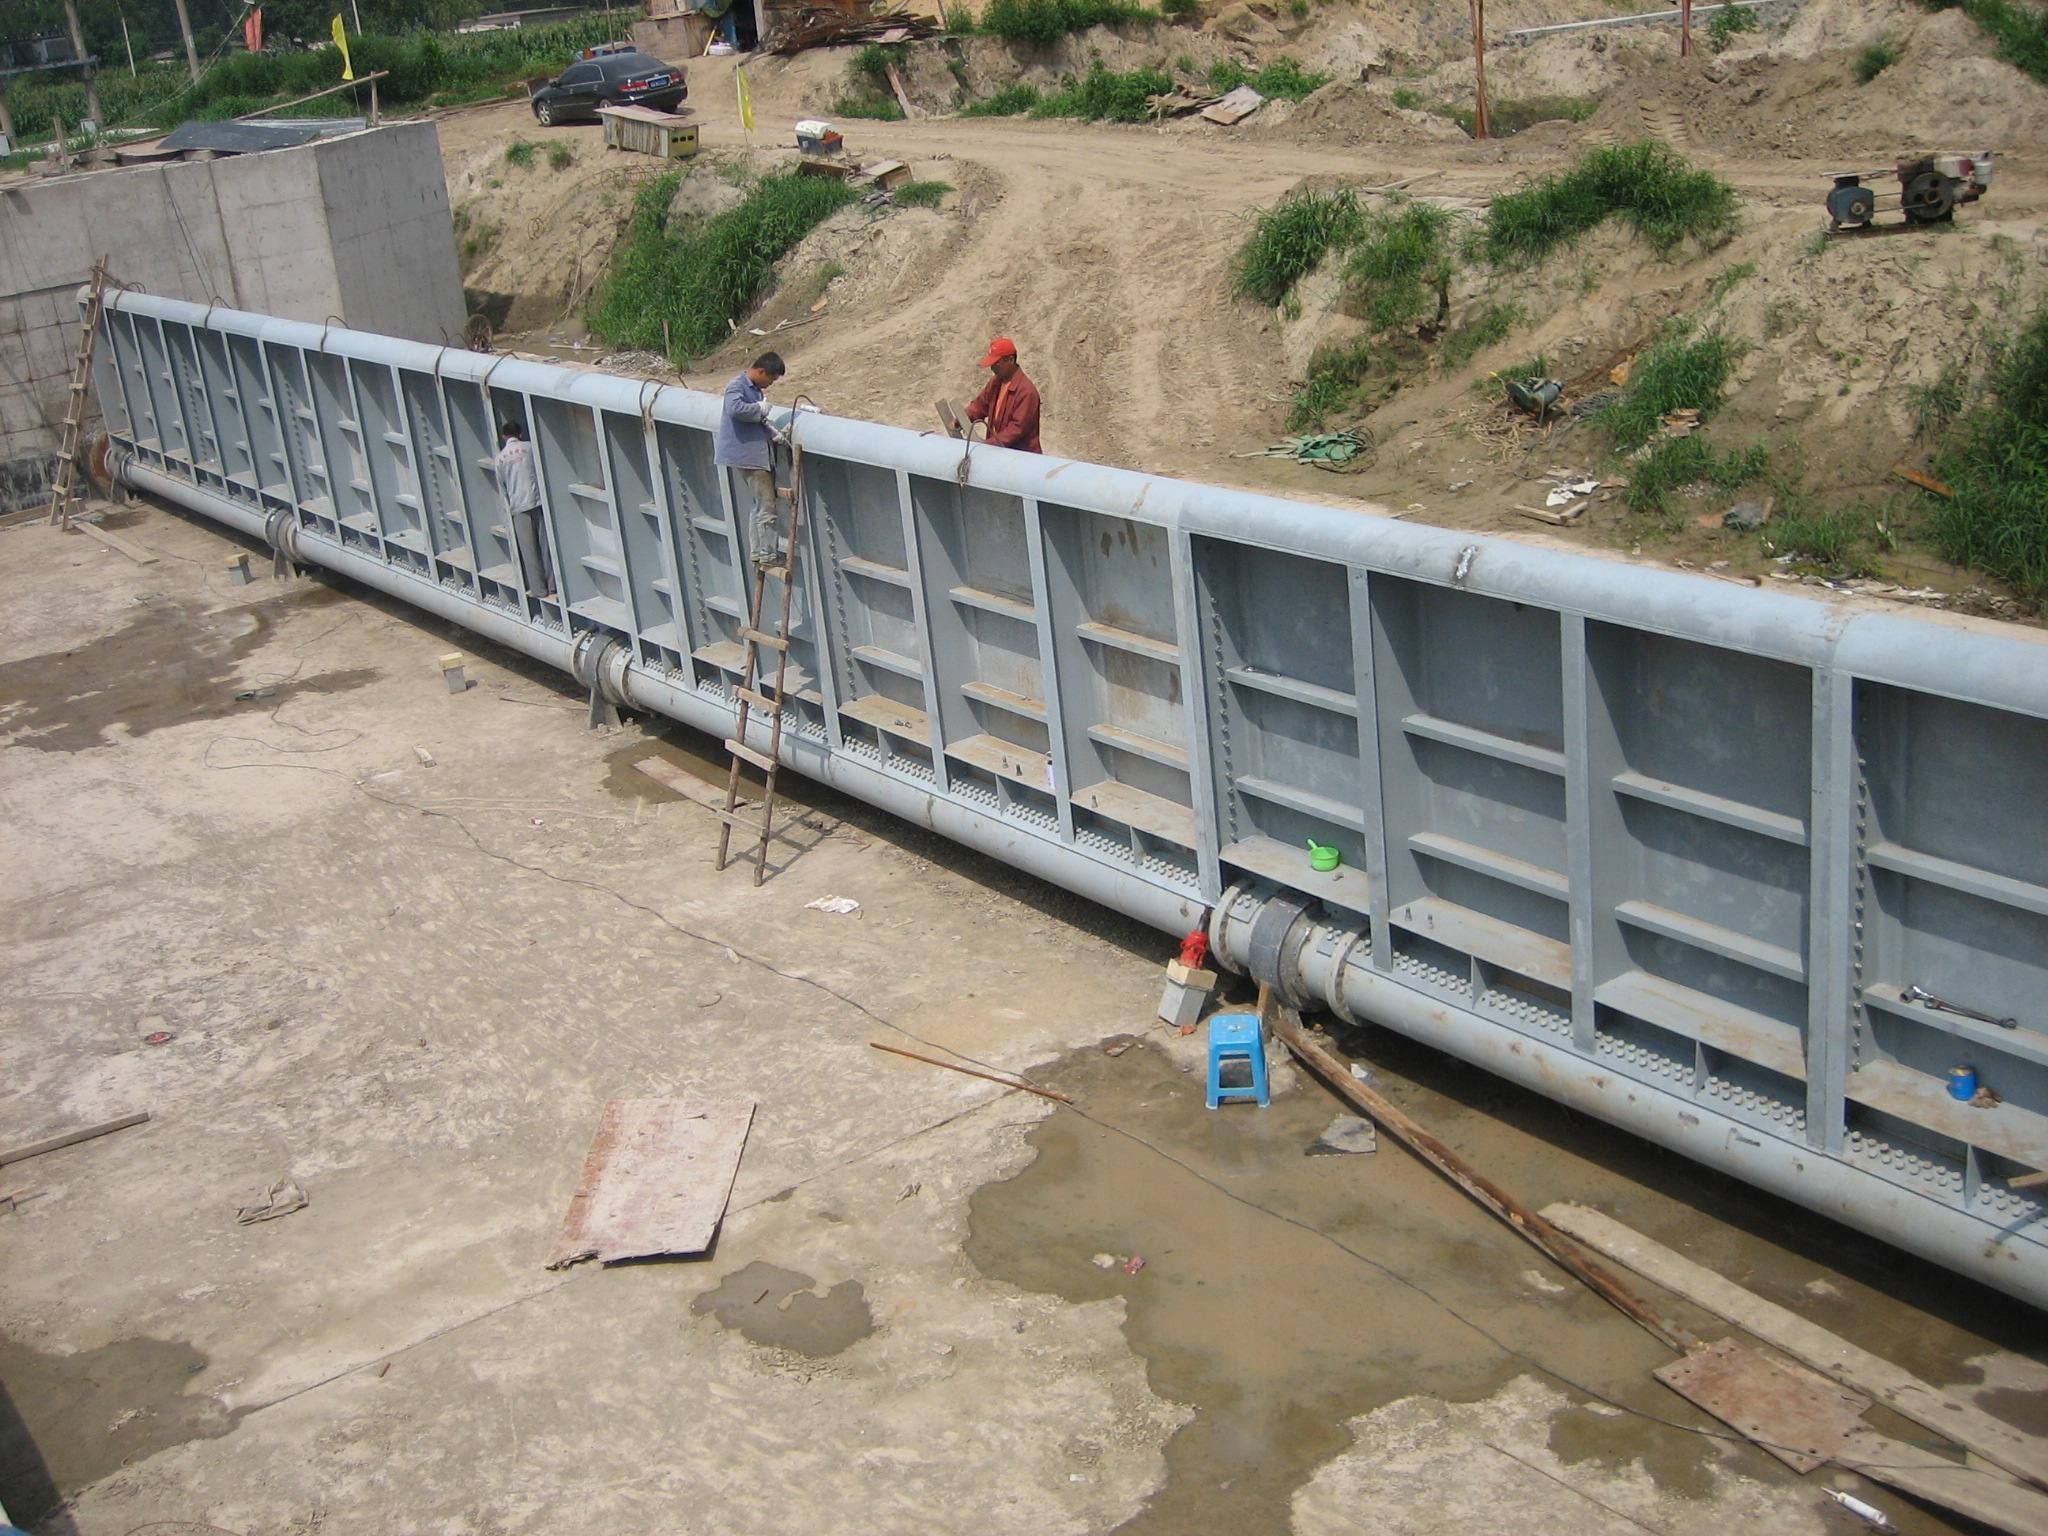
1805 1421
688 785
656 1181
1539 1232
1982 1495
1999 1443
1925 482
910 108
72 1137
114 542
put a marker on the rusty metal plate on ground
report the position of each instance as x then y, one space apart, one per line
656 1181
1801 1418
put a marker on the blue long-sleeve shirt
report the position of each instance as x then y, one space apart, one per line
743 437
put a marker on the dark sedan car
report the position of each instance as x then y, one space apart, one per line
609 80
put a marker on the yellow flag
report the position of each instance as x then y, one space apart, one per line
348 70
746 100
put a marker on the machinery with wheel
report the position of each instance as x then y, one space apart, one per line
1929 190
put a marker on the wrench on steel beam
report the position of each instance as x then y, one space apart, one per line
1917 994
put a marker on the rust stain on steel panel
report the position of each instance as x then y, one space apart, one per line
1801 1418
656 1180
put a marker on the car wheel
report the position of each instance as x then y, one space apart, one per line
544 114
603 103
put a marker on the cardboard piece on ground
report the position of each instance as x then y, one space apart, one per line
1235 107
1997 1442
656 1181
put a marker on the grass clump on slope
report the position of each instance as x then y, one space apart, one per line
1289 240
706 276
1653 190
1996 461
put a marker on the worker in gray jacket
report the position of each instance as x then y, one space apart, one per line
746 442
519 485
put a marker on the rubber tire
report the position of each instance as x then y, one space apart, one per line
602 103
544 114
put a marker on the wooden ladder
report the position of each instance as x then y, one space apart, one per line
64 484
757 640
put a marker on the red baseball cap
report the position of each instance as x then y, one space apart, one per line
1002 346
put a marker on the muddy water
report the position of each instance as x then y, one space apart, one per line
170 664
780 1308
68 1420
1272 1335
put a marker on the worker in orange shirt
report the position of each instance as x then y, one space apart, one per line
1009 403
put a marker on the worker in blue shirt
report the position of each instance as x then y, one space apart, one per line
746 442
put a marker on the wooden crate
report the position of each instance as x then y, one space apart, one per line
665 135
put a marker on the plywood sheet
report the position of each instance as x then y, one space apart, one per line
656 1181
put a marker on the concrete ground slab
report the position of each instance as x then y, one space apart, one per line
410 986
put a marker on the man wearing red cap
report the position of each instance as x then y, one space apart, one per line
1010 402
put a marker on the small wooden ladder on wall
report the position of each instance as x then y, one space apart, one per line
752 699
64 484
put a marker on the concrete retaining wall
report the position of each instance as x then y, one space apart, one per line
356 228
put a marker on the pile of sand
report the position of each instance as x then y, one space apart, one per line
1350 112
1945 92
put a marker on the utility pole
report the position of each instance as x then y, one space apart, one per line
6 120
92 80
1685 29
128 43
1480 128
185 30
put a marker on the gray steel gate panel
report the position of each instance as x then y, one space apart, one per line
1672 851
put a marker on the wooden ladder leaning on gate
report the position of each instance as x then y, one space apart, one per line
64 483
752 699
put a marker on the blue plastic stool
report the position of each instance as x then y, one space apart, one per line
1236 1037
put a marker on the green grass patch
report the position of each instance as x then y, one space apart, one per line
871 105
1676 464
1290 239
1837 541
1996 461
561 155
1875 60
1047 21
1335 372
1655 191
1679 372
1282 78
1103 95
706 276
1401 267
1180 10
1729 22
521 153
1406 99
1010 101
1507 117
920 194
1492 326
1728 278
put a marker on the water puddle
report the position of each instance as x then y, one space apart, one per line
68 1420
169 665
782 1309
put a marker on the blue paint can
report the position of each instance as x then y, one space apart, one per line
1962 1083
